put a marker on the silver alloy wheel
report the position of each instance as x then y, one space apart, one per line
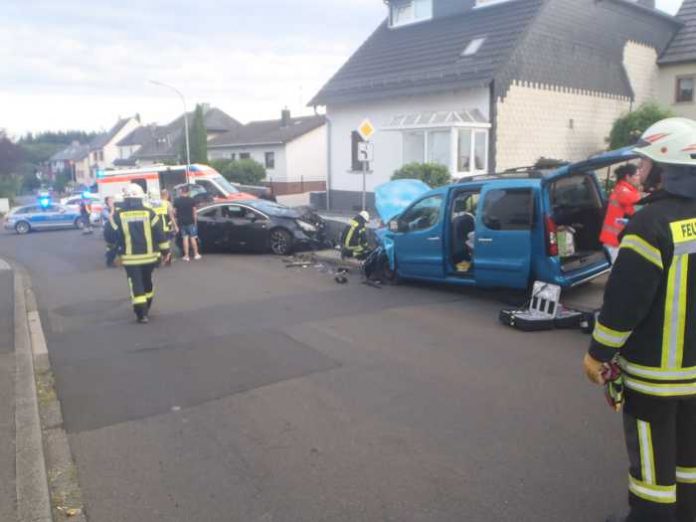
79 223
281 242
22 227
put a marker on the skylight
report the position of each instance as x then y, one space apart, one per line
474 46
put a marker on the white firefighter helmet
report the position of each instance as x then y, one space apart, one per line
365 215
671 141
134 191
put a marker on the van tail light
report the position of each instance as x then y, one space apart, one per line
551 237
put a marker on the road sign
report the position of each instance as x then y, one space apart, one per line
365 151
366 129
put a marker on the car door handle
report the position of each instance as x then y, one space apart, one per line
485 240
434 238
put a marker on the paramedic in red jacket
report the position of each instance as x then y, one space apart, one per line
621 205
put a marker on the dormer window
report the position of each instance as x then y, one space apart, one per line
404 12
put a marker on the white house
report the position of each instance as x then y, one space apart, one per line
486 85
104 149
74 161
293 151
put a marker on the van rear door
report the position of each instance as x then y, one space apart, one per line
504 221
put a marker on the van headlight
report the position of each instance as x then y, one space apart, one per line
306 227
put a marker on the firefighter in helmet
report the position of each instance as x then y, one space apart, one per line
647 333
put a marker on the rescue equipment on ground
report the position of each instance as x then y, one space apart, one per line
544 312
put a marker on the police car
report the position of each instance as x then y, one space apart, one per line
43 215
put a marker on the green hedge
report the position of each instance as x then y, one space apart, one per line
246 171
433 174
629 127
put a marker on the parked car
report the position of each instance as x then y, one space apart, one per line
258 226
204 192
506 230
72 203
42 217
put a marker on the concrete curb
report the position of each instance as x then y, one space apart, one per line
33 498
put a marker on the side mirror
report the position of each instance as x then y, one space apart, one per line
394 225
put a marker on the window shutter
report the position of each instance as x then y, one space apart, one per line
355 139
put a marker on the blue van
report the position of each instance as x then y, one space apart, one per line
504 230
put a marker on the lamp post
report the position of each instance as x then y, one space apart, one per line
186 129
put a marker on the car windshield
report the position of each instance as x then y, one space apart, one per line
226 185
274 209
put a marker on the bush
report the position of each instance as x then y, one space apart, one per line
246 171
629 127
9 186
62 180
433 174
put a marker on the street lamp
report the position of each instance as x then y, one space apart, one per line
186 130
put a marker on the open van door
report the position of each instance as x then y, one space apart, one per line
503 245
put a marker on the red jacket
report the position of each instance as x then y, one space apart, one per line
621 205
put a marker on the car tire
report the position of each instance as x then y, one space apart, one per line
79 223
22 227
280 242
391 276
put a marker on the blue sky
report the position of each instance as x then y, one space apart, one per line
67 64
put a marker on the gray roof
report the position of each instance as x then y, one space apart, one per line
268 132
427 55
104 139
578 44
215 120
74 152
683 47
138 136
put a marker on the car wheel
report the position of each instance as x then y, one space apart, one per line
281 242
22 227
391 276
79 223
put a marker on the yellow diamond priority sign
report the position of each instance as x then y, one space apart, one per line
366 129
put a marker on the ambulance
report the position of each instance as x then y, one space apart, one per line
155 178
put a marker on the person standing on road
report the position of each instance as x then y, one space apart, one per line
354 242
621 205
85 215
187 222
165 211
646 329
140 241
109 232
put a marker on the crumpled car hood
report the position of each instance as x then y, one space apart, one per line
392 198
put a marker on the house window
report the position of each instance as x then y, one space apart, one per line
439 147
244 155
685 90
472 151
101 155
270 160
469 155
414 147
233 156
409 11
474 46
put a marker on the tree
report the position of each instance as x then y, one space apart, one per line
432 174
198 138
245 172
11 156
629 127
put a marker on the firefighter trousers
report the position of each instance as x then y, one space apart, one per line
661 441
141 287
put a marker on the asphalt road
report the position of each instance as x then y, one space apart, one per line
261 393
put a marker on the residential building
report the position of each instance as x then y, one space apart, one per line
677 78
73 160
152 144
104 150
486 85
293 151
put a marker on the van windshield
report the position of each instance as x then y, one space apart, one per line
226 185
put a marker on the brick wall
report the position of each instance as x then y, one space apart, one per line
537 120
640 62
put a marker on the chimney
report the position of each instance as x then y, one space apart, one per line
285 117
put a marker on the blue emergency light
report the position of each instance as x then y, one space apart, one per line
44 202
86 194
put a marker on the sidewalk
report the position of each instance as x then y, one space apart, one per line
8 494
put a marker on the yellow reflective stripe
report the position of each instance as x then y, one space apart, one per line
686 475
643 248
164 245
148 233
349 236
651 492
141 299
130 288
657 374
660 390
127 237
647 457
683 231
675 314
608 337
150 295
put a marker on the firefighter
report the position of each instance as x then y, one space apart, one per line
164 209
354 242
646 327
140 242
